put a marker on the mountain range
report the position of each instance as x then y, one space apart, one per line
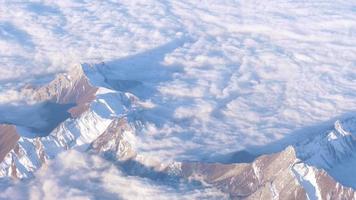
87 111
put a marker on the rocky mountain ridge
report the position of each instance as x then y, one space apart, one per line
101 122
95 108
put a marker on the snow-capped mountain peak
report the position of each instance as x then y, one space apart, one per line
332 147
94 109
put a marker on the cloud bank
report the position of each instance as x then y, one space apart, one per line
74 175
243 73
40 38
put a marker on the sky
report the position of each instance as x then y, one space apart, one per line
226 75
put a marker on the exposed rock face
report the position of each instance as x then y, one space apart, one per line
114 142
277 176
329 189
21 156
96 108
26 156
319 185
268 177
74 87
8 139
79 132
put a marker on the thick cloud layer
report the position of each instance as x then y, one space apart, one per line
253 73
74 175
225 74
43 37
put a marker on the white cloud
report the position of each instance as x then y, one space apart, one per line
37 38
244 73
75 175
256 71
